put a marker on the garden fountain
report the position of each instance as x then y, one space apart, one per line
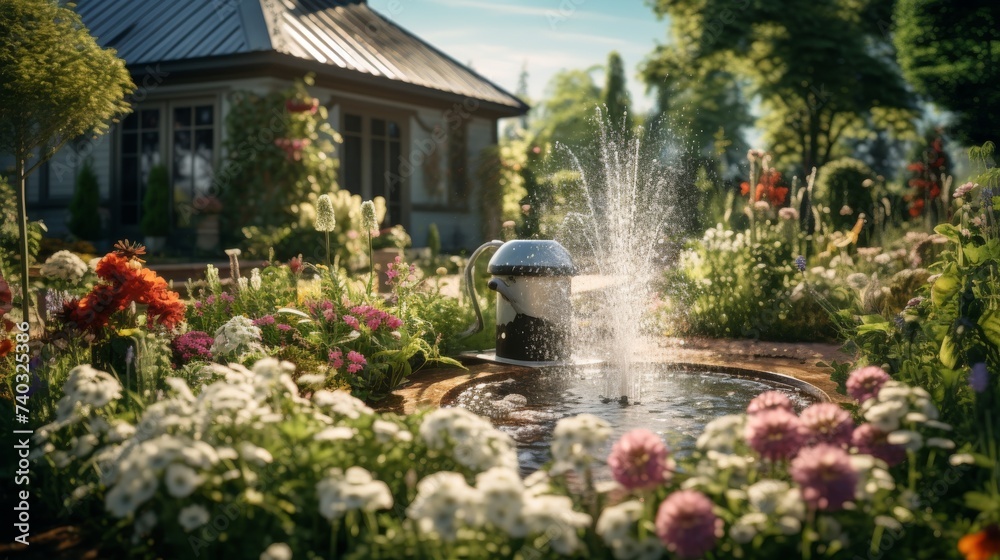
617 219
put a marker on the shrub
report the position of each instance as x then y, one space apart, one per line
841 183
83 210
156 204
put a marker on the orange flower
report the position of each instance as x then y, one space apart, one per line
6 345
983 545
767 188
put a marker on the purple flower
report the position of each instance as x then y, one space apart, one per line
825 477
775 434
769 400
914 302
192 345
639 460
871 441
800 263
265 320
687 525
352 322
979 377
826 423
864 383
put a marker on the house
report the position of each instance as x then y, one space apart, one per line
413 119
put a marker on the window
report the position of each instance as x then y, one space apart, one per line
370 164
180 135
193 156
140 151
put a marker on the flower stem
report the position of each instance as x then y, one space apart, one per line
371 263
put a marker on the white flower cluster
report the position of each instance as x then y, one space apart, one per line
355 489
66 266
85 389
475 443
722 434
775 506
236 338
899 409
577 441
616 528
445 503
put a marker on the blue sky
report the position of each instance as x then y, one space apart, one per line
498 37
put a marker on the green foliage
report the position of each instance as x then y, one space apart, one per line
567 115
950 52
278 160
816 66
434 240
10 239
84 218
156 203
615 95
845 182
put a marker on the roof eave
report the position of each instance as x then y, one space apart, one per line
272 63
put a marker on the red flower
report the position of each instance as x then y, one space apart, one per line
6 346
983 545
767 188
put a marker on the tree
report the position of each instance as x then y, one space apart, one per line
156 204
615 95
567 113
950 52
56 83
822 69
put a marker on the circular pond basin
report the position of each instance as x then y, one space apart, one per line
677 402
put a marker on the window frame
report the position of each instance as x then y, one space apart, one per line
367 112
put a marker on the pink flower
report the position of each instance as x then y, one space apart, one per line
356 358
864 383
284 327
826 423
393 322
871 441
336 358
352 322
374 323
770 400
639 460
354 368
330 315
825 476
775 433
265 320
687 525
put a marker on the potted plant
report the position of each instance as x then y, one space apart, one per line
155 224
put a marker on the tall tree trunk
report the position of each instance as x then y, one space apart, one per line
22 225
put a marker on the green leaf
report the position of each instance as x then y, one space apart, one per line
949 352
982 502
949 231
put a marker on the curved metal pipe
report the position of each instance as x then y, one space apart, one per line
471 286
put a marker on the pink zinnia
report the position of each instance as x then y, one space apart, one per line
775 434
769 400
825 476
871 441
864 383
826 423
352 322
639 460
687 525
336 358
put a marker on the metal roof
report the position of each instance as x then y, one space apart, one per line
342 33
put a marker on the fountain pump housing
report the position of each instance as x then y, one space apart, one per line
533 281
